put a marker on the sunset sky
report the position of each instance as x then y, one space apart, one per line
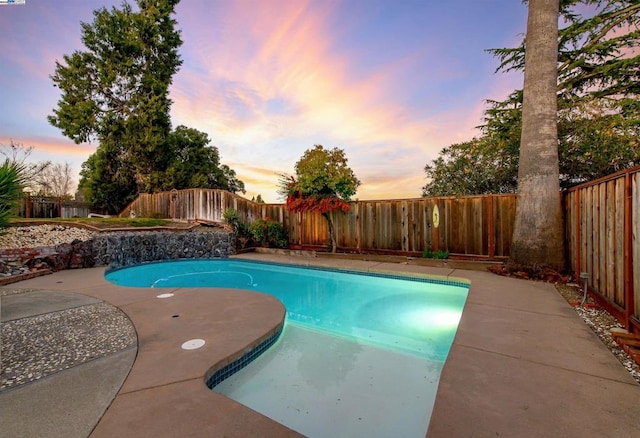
391 82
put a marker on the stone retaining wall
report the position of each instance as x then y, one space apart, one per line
131 248
119 249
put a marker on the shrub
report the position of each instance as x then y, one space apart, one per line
11 181
235 223
440 254
239 228
269 233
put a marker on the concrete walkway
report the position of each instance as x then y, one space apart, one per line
522 364
60 348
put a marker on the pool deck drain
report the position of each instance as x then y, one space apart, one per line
522 364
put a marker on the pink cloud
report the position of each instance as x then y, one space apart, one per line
52 146
260 54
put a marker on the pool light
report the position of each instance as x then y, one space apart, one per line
426 318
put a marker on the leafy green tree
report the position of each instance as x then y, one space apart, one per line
474 167
229 180
105 179
191 163
598 137
257 199
323 183
116 91
538 232
195 164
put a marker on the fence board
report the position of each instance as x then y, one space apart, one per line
635 244
602 235
609 241
619 243
588 241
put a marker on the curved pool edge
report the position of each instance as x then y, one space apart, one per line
166 391
424 328
234 363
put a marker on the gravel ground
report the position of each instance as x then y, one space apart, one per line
601 322
41 235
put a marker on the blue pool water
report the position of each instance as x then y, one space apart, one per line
360 354
414 316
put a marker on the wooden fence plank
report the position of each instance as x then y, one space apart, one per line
601 260
590 242
635 233
609 218
618 243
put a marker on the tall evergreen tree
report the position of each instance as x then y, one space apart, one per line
116 91
598 106
538 233
598 88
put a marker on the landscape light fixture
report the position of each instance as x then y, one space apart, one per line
584 276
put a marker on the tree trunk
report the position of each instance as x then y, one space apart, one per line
333 246
538 230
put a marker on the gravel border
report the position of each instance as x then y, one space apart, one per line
42 235
601 322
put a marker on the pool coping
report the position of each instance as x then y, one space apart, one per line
522 359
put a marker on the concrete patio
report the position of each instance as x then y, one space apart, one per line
522 364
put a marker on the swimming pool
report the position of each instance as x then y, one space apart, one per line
353 342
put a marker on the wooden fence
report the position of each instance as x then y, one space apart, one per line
470 226
50 207
206 205
603 236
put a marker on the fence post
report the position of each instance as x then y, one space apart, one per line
492 229
628 251
28 206
577 255
435 217
358 226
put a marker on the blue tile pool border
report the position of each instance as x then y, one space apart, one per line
244 360
406 277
